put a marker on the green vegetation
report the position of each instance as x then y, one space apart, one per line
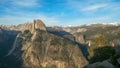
55 41
91 51
39 37
118 35
27 34
114 58
102 53
100 40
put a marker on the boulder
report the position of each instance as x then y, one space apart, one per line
104 64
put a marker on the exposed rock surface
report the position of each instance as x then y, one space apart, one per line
104 64
80 38
37 24
73 30
54 48
45 50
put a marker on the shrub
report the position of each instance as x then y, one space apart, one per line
39 38
102 53
27 34
114 58
55 41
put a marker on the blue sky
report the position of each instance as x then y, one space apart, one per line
59 12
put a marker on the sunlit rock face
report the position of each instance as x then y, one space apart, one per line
36 24
80 38
45 50
41 49
104 64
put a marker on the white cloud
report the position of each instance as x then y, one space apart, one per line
88 5
18 16
94 7
82 21
22 17
25 3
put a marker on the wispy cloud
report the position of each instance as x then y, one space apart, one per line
86 5
89 20
59 12
94 7
25 3
22 17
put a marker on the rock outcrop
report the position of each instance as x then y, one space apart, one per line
37 24
80 38
45 50
104 64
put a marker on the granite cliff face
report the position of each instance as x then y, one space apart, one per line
33 45
80 38
38 48
37 24
45 50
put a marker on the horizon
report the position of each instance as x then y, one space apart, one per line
89 24
59 12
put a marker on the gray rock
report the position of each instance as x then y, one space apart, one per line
118 60
104 64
